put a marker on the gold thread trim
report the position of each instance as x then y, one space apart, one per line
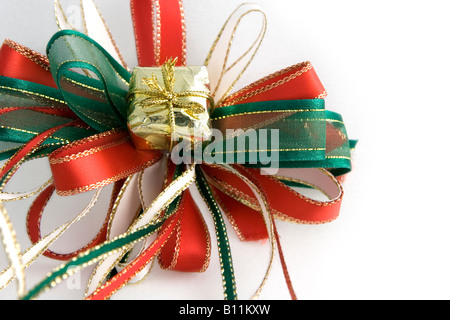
88 152
266 111
36 57
234 99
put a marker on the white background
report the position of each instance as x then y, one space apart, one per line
385 65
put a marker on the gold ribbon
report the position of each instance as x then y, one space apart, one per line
165 95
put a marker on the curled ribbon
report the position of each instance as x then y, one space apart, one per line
80 125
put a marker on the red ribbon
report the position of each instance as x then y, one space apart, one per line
36 211
25 64
188 249
160 31
96 161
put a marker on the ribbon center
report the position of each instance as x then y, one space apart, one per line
176 109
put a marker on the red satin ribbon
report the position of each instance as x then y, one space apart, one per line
20 62
159 29
96 161
283 202
294 83
188 249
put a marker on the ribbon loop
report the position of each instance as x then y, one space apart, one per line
223 74
100 102
189 247
96 161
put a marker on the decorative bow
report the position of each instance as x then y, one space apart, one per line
78 120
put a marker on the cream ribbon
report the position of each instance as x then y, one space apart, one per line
135 194
12 249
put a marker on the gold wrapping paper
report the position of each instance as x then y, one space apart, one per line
168 104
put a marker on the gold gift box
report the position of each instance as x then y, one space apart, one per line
168 104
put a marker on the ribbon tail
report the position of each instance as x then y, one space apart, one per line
12 249
287 277
226 263
189 248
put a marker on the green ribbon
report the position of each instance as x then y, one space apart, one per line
103 103
226 262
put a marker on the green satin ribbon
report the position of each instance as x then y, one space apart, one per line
295 142
18 127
